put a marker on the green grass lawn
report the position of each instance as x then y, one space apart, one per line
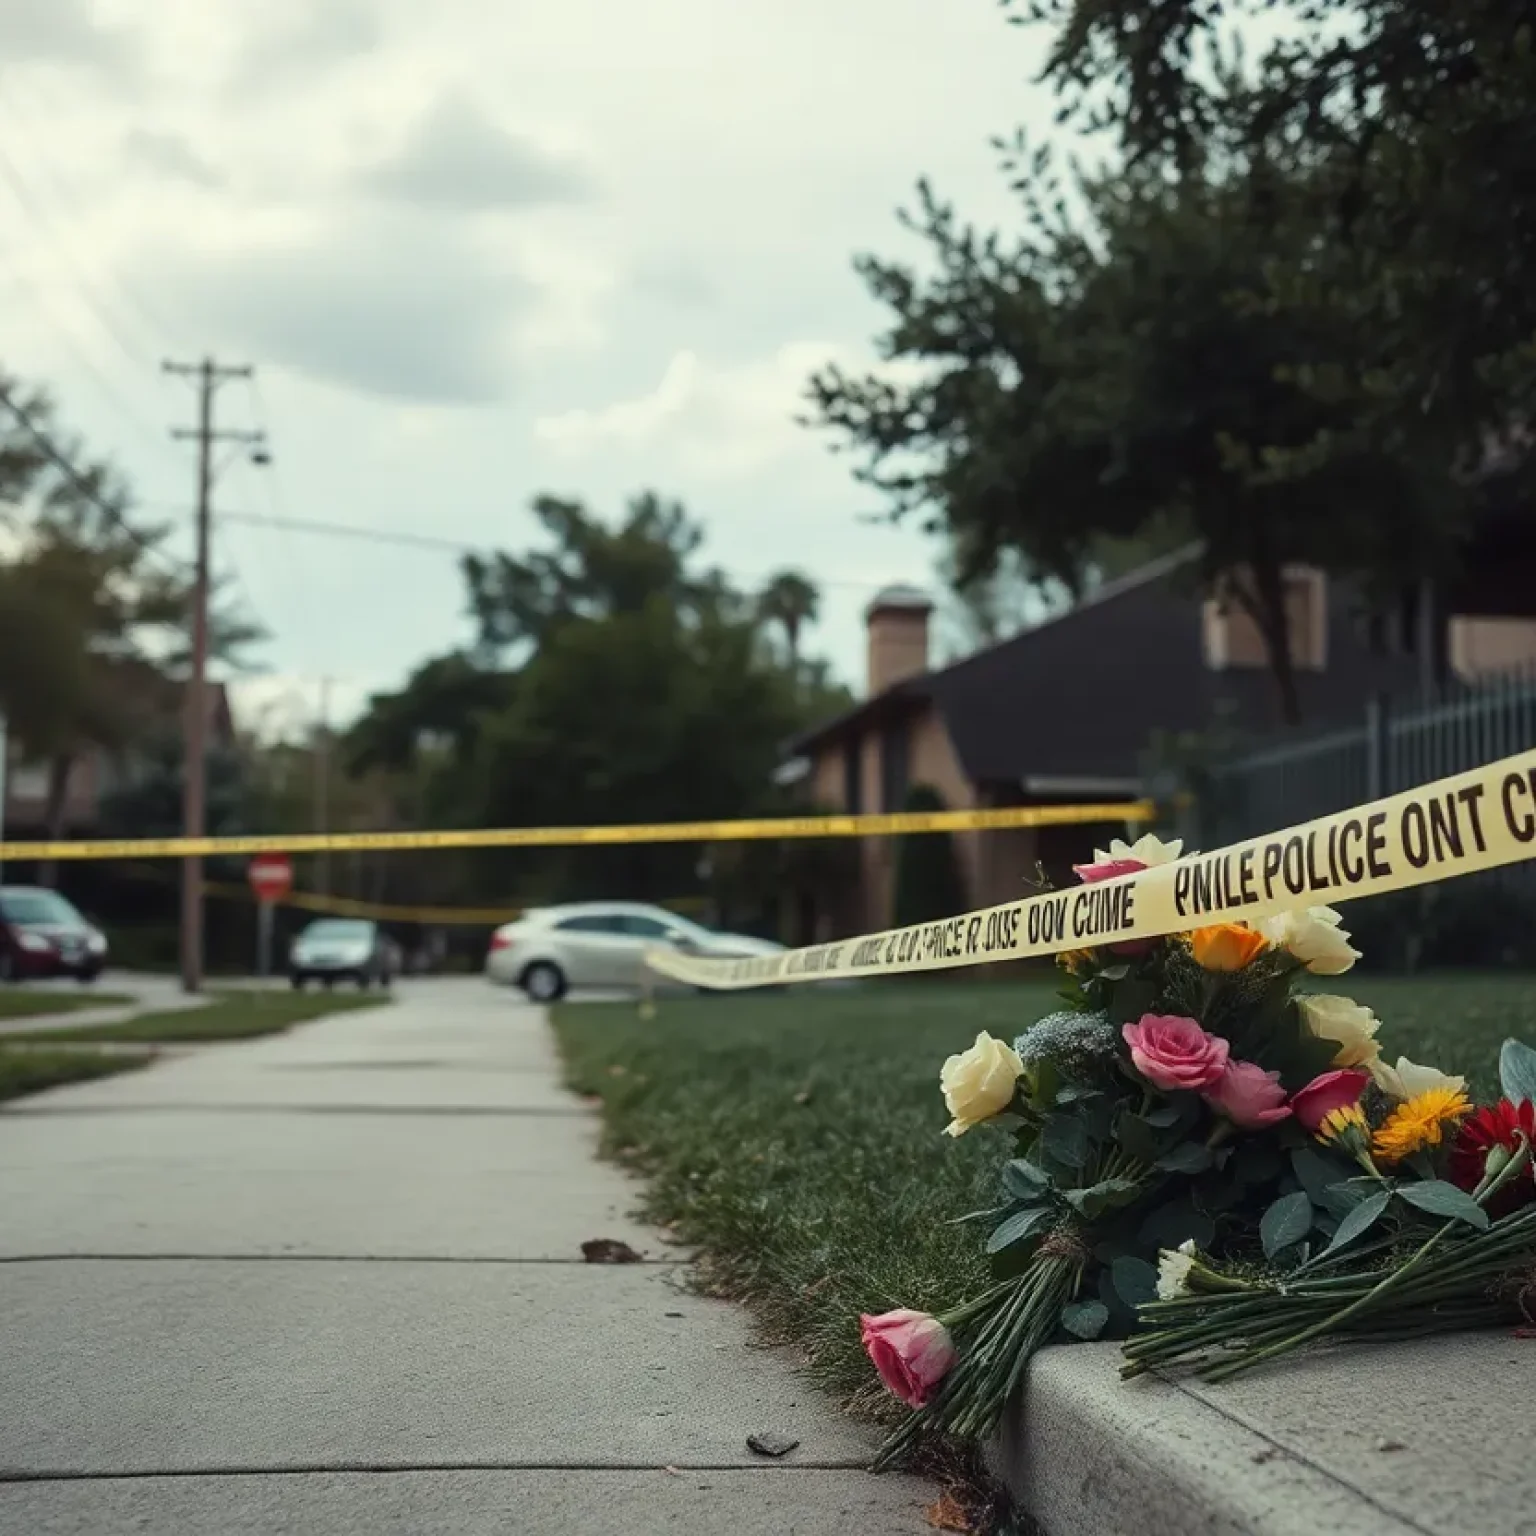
233 1015
32 1070
797 1137
20 1004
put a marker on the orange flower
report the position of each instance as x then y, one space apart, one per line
1226 946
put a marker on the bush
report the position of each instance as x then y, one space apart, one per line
928 883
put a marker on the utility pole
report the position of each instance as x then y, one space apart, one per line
194 804
323 784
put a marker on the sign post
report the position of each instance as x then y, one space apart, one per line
271 878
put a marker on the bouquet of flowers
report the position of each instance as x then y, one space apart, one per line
1206 1158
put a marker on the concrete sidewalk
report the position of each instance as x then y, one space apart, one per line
332 1282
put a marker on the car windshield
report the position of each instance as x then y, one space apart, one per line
338 932
36 907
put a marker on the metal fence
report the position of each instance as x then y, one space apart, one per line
1398 744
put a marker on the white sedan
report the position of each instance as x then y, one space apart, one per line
549 950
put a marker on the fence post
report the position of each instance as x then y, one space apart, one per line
1376 747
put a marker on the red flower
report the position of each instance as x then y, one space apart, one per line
1495 1125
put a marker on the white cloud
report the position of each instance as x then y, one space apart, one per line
410 310
434 361
720 420
457 158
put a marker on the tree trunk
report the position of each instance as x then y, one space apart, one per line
60 767
1264 599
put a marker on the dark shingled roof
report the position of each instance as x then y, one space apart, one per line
1082 694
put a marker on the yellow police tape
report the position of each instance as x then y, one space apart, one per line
756 830
379 911
1469 822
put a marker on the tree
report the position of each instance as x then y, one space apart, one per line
92 612
1415 120
1111 377
614 678
791 601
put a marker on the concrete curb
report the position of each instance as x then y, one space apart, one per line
1365 1441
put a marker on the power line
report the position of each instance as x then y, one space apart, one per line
404 539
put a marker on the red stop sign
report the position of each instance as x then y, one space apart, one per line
271 876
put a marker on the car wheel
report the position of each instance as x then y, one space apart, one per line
329 983
364 981
296 981
7 967
544 982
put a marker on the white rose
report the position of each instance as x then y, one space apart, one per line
1407 1080
1173 1267
1314 937
1147 849
1345 1022
979 1083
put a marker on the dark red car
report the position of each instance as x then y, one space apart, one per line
42 934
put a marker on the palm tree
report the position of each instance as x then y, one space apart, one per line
791 601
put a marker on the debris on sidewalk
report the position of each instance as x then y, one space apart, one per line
609 1250
771 1445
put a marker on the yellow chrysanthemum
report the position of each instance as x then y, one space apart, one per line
1419 1122
1341 1124
1074 959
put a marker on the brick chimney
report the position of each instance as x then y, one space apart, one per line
897 624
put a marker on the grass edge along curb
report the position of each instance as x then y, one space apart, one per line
20 1003
232 1015
34 1070
796 1139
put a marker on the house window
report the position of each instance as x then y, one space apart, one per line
853 778
893 767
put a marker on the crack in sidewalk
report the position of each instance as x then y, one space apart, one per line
16 1475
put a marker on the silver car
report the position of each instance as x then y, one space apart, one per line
600 944
343 949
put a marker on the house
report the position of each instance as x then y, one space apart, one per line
1064 712
99 773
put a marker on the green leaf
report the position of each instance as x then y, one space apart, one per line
1065 1139
1442 1199
1285 1223
1020 1225
1172 1223
1163 1116
1129 1000
1360 1220
1517 1071
1144 1142
1315 1173
1134 1280
1341 1198
1108 1195
1189 1157
1025 1180
1115 972
1084 1319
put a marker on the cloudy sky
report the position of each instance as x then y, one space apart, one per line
477 250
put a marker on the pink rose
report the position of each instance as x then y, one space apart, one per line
1333 1090
1106 869
1171 1052
1248 1095
1111 869
912 1351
